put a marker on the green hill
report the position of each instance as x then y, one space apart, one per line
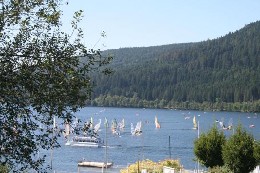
223 74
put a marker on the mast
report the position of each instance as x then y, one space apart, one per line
106 141
198 138
170 147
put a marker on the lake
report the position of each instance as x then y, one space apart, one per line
174 139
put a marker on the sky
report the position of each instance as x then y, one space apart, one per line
144 23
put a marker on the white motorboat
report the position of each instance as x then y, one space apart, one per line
85 141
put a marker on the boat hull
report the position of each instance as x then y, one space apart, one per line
83 144
95 164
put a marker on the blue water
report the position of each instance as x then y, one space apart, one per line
174 139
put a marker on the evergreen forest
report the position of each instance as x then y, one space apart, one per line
218 74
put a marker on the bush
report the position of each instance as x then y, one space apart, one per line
150 166
238 152
219 169
208 148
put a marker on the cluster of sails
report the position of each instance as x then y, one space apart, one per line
116 127
89 129
88 133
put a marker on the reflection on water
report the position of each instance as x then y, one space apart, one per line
153 144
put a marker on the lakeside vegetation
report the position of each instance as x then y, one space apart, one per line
218 74
151 166
135 102
220 153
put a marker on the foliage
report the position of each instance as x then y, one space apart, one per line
257 152
44 73
223 73
4 168
208 148
150 166
238 152
219 169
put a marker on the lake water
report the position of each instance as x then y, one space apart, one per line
154 143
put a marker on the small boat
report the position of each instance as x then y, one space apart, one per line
85 141
95 164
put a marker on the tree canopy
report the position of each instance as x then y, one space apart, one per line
44 73
208 148
257 152
238 152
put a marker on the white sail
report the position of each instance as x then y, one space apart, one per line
221 124
106 122
97 126
138 126
91 122
137 130
67 130
54 122
195 125
74 125
121 125
132 129
157 124
114 126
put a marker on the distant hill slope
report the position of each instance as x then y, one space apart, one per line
225 69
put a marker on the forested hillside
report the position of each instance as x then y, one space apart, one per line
223 74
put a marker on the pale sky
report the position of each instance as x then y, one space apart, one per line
143 23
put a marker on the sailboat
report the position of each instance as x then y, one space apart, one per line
137 130
195 125
222 125
121 125
114 126
230 124
157 124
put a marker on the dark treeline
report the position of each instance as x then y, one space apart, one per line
222 74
